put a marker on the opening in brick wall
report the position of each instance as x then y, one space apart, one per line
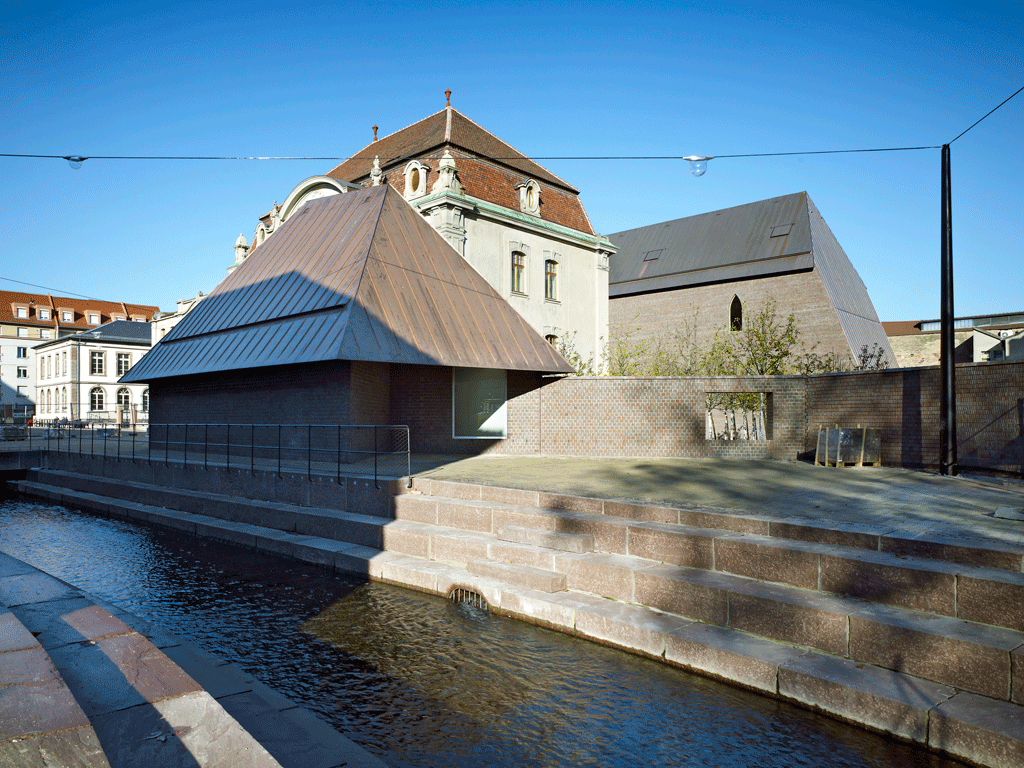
738 416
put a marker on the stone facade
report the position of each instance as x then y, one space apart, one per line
702 310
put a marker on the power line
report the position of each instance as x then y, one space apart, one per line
48 288
993 110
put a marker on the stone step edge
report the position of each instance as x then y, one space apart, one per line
873 538
222 681
726 654
354 558
209 496
74 733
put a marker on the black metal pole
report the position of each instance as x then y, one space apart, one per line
947 430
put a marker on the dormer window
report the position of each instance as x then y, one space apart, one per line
44 314
21 312
415 179
94 318
529 197
67 316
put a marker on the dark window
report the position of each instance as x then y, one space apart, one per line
736 315
518 272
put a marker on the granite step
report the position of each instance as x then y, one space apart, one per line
564 542
519 575
40 721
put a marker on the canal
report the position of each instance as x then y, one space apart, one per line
421 681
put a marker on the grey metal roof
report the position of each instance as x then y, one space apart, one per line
847 291
783 234
122 331
359 276
730 244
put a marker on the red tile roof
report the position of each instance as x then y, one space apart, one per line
80 307
488 168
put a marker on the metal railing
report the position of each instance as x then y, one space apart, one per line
377 450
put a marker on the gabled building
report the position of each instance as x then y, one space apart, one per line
520 226
78 375
26 319
355 311
701 273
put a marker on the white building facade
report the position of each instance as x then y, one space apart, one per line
77 376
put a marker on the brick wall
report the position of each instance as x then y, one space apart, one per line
706 308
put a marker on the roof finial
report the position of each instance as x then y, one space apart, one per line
448 97
375 133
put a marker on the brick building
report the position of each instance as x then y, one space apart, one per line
353 312
700 274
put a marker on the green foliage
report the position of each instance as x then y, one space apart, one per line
566 347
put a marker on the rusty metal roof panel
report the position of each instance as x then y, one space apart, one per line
749 240
359 276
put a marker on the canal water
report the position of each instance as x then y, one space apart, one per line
421 681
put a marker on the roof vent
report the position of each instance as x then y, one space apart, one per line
781 229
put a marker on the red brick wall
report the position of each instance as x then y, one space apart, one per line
706 308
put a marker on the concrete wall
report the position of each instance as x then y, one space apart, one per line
706 309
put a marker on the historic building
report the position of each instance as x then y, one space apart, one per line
978 339
700 274
520 226
26 319
78 375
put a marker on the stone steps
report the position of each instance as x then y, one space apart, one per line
83 687
759 616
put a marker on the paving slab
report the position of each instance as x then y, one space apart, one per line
979 729
33 698
76 748
35 587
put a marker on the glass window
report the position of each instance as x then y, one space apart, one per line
145 401
478 403
124 362
64 399
23 333
96 366
96 399
67 317
22 352
22 372
94 319
64 356
551 339
45 333
124 397
42 368
518 272
49 367
44 314
21 311
550 279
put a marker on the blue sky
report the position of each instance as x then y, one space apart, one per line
597 79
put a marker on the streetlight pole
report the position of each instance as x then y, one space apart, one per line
947 429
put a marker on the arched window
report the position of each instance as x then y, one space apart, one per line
49 400
145 401
551 339
124 398
96 399
736 315
64 400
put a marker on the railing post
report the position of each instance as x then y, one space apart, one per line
309 453
206 444
227 447
135 433
252 449
184 457
119 442
105 431
408 456
279 450
149 447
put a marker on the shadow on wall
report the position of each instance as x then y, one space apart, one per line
910 447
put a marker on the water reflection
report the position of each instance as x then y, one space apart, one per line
422 681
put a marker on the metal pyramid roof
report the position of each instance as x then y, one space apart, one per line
358 276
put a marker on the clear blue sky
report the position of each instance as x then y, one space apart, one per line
550 78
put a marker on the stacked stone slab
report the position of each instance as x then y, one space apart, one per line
918 637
